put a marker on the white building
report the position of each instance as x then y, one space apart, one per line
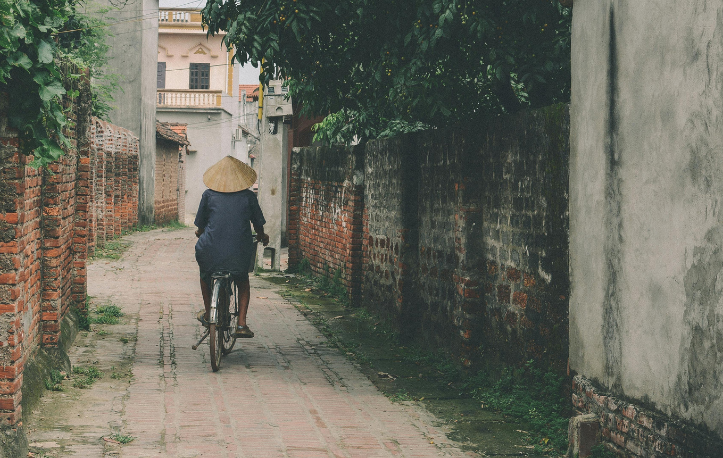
197 84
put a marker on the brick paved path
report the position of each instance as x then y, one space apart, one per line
281 394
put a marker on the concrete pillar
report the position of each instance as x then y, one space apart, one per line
272 183
147 136
133 56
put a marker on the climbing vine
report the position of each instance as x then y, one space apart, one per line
30 76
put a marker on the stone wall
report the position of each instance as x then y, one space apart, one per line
464 235
50 220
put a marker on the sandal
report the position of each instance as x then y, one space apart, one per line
202 318
244 332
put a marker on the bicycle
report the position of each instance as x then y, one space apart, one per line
223 319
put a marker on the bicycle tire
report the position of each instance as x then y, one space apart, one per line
230 322
215 334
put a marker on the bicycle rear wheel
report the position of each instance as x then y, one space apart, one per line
230 305
215 336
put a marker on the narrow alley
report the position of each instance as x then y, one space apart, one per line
281 394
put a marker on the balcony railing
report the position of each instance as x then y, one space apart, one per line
179 16
193 98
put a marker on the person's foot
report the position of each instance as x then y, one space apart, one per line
243 332
202 318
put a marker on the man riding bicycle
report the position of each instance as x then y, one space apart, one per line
224 233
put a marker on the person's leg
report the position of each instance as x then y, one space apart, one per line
244 295
206 292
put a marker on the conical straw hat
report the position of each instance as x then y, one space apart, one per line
229 175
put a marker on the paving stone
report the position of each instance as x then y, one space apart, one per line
281 393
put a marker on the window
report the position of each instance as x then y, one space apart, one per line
161 76
199 76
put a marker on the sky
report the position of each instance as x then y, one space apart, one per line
248 74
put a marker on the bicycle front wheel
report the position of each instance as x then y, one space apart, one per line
229 330
215 335
214 340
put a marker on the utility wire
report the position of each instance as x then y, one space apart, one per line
146 16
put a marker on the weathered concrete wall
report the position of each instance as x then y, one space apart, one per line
646 230
133 56
464 234
273 181
210 133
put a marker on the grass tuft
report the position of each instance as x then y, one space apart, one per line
531 394
122 438
54 383
106 314
86 376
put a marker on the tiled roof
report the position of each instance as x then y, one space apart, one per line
252 92
175 132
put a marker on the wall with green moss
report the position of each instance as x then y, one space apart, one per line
463 236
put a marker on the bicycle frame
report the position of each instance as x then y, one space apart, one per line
222 320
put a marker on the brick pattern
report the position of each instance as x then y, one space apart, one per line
180 129
20 271
167 182
525 237
114 181
389 242
464 234
49 222
325 217
631 430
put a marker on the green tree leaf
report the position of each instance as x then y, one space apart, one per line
45 52
54 89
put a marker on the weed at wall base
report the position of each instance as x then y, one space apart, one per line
88 376
54 383
82 314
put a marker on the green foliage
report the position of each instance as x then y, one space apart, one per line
333 285
533 395
86 376
304 267
30 76
174 225
599 451
34 39
381 67
107 314
122 438
54 383
112 249
82 314
83 40
400 396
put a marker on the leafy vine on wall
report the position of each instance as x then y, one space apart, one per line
30 75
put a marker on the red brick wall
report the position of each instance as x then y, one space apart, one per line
113 163
20 272
325 218
49 221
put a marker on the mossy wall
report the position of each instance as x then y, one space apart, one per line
464 236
